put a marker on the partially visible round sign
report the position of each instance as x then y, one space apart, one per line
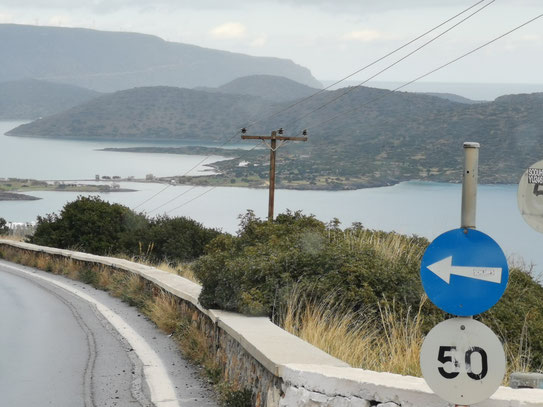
462 361
464 272
530 196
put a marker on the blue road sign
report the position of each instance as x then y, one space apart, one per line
464 272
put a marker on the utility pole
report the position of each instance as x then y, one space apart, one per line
274 137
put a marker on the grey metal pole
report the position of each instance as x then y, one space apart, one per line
469 189
469 185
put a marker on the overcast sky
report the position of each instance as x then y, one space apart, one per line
331 37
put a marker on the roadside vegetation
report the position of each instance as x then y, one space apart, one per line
353 292
92 225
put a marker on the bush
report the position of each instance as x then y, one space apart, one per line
170 239
254 271
4 229
88 224
94 226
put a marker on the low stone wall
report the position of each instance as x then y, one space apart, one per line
281 369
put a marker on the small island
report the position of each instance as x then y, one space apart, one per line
11 196
11 188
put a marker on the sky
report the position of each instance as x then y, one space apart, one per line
332 38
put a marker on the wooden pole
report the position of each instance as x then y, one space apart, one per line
273 148
272 174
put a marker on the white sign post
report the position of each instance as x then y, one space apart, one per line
462 361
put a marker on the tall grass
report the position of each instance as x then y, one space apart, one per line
391 246
388 341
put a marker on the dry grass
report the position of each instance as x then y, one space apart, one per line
391 246
388 342
183 270
164 311
519 356
104 279
15 238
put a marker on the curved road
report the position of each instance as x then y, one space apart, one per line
66 344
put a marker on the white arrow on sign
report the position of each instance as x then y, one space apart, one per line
444 268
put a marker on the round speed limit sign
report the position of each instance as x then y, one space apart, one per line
462 361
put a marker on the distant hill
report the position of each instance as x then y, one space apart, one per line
151 113
273 88
368 137
453 98
110 61
31 99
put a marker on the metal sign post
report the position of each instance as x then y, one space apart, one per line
464 272
469 185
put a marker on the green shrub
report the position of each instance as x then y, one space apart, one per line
95 226
172 239
254 271
88 224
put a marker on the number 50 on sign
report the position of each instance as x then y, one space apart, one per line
462 361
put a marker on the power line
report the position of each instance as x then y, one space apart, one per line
173 199
190 200
353 88
430 72
186 172
193 187
366 66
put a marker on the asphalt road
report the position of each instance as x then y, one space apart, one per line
66 344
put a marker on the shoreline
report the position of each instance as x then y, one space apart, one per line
168 181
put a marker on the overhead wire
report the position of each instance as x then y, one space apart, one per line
275 114
205 192
186 172
429 72
353 88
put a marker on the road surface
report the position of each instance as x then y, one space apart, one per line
66 344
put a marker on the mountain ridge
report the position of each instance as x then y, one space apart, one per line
109 61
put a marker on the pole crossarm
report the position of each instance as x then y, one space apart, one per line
282 138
